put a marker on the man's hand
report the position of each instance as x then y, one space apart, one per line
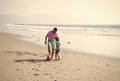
45 42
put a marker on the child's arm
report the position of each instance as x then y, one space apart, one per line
59 44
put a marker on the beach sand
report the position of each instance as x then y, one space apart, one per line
25 61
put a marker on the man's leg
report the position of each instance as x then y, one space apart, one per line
49 51
52 53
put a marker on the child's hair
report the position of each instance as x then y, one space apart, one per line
57 38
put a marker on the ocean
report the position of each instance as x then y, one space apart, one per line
89 39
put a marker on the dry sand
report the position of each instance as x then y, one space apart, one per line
25 61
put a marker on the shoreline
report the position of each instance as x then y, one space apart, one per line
26 61
89 41
23 38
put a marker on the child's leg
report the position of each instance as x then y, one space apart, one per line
58 57
55 56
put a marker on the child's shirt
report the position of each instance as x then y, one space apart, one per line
57 45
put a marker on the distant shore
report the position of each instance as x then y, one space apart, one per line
25 61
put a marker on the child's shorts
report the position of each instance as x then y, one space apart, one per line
57 51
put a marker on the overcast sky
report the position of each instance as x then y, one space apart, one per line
65 11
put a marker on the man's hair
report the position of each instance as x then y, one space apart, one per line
55 29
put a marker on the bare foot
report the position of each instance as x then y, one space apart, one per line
57 59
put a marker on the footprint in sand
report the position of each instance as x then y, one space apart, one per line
19 53
37 69
33 68
17 69
78 69
7 52
107 65
13 52
29 53
36 74
21 71
46 74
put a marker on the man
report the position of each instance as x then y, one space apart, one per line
51 45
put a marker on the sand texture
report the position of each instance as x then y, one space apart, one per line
25 61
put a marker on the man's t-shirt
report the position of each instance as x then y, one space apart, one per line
51 35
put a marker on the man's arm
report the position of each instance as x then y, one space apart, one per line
46 38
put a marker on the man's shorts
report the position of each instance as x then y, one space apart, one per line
52 44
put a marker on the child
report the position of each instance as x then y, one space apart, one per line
57 50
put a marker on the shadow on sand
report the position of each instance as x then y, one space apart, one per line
32 60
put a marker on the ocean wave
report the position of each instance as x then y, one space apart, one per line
113 35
